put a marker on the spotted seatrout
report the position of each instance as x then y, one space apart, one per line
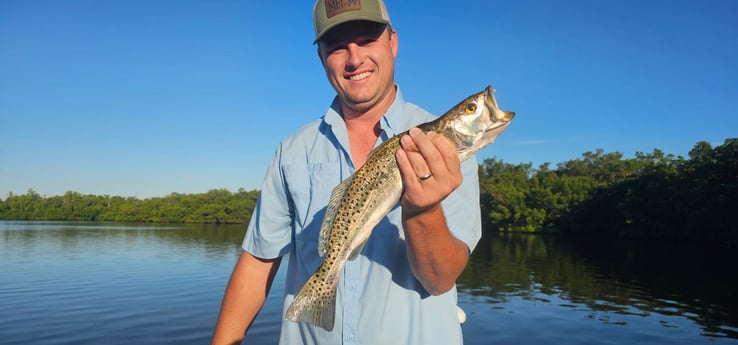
358 204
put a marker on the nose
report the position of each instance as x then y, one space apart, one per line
355 56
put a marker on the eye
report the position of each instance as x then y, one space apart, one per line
471 108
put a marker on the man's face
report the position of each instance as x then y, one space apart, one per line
359 61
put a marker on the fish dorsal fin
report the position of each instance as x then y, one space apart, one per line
330 215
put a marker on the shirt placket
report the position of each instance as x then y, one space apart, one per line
351 302
352 278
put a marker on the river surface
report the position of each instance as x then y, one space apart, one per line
109 283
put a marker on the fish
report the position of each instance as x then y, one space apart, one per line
360 202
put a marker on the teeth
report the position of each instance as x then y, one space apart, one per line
360 76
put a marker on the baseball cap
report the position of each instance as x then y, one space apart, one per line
327 14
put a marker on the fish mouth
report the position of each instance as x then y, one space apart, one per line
496 112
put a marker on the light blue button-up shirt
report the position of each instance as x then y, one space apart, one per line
379 300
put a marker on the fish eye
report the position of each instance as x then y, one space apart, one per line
471 108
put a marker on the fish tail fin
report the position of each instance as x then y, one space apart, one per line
315 304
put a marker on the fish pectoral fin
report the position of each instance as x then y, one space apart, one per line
330 215
355 253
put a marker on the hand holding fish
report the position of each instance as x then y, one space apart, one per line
435 255
430 170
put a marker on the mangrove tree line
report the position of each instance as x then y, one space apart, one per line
215 206
652 194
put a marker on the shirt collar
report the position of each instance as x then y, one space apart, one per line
392 122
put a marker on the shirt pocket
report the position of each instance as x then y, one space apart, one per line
310 188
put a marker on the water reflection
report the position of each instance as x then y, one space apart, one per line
68 236
85 283
69 283
614 281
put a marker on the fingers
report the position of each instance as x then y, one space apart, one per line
407 172
449 158
430 169
431 153
414 153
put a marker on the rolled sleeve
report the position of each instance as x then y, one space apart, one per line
462 210
269 234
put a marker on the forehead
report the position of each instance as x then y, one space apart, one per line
353 29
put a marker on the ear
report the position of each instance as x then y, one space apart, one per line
394 43
320 55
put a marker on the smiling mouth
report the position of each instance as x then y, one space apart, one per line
360 76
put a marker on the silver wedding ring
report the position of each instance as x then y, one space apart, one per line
425 177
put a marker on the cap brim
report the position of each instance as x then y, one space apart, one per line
329 27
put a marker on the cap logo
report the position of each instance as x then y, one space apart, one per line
334 7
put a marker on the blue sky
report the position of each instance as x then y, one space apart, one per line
146 98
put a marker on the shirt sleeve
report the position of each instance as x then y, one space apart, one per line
269 234
462 208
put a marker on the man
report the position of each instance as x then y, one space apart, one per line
401 288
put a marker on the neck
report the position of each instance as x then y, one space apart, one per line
363 127
358 114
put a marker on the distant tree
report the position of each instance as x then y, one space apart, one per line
653 194
215 206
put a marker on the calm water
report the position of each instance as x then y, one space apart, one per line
91 283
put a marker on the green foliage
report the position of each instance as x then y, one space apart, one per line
215 206
504 196
652 194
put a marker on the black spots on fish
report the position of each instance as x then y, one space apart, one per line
318 288
345 213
